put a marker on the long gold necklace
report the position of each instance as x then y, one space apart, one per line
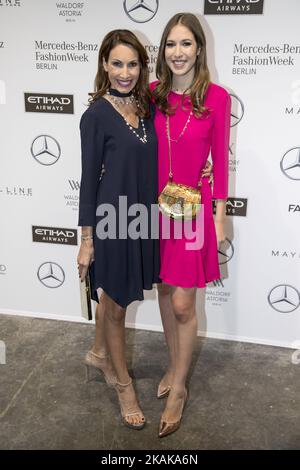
183 130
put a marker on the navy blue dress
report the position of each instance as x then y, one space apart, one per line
123 266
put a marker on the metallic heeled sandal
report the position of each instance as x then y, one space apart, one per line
93 360
125 414
163 392
168 427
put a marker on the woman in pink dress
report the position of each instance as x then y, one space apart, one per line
195 113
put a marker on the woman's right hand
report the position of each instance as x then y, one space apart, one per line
85 257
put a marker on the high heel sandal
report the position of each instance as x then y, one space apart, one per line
125 414
163 392
99 362
168 427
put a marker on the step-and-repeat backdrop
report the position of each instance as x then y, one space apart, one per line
48 59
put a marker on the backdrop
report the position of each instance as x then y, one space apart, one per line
48 60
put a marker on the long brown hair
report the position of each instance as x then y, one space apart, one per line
201 78
141 89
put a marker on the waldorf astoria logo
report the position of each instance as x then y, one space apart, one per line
234 206
48 103
63 236
233 7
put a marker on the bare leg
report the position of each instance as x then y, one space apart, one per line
170 331
183 302
114 320
100 347
98 356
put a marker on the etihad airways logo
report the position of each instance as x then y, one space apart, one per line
63 236
233 7
48 103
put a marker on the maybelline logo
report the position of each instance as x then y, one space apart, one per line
294 207
286 254
10 3
290 163
2 269
45 149
237 110
16 191
292 110
63 236
233 7
234 206
51 275
48 103
225 251
284 298
140 11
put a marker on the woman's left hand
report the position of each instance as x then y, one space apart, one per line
220 231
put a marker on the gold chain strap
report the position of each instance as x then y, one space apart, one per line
199 184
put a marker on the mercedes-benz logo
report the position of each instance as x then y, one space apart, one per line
140 11
45 150
284 298
237 110
225 251
51 275
290 163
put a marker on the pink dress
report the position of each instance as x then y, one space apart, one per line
179 266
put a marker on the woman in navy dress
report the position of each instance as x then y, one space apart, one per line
119 174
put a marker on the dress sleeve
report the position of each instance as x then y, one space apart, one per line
220 147
92 147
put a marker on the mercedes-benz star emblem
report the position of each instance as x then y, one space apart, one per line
140 11
237 110
45 150
290 163
51 275
284 298
225 251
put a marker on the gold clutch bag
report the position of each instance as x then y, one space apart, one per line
85 297
179 201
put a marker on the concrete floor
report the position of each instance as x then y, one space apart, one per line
241 396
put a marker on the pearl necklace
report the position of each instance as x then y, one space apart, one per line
117 106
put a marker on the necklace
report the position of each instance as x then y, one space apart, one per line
183 130
143 139
120 98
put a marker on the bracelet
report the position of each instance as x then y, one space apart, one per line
86 237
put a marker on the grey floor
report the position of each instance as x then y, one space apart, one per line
241 396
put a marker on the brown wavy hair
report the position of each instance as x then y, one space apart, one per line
141 89
201 78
